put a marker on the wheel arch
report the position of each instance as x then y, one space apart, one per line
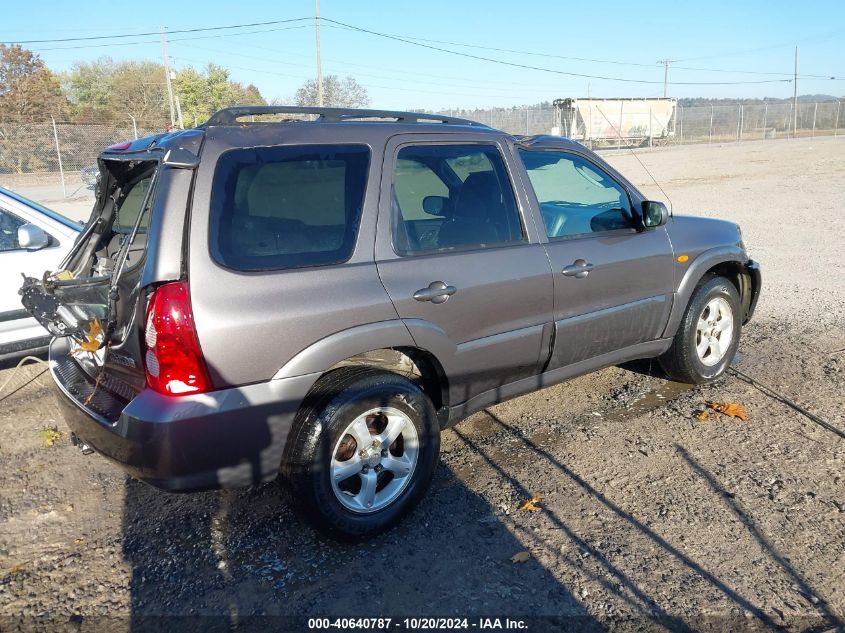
730 262
385 345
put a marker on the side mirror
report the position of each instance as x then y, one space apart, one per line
435 205
32 237
654 214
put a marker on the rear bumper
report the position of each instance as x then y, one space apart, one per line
226 438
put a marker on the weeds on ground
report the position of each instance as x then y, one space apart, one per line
49 436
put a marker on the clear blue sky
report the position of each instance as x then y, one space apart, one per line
756 37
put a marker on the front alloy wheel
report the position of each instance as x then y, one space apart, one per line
714 332
708 335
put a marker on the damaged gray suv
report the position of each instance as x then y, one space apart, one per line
318 292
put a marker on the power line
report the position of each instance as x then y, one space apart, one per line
366 84
584 59
815 39
175 39
665 63
403 73
421 42
751 72
121 35
405 77
542 69
509 50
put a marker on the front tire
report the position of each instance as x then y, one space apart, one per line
362 452
708 335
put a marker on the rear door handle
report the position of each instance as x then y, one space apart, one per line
437 292
579 269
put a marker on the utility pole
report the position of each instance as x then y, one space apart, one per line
319 63
166 60
665 63
795 98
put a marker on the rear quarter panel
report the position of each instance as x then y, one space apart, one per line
250 324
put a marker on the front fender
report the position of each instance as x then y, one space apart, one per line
695 271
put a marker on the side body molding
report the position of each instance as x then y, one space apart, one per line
695 271
332 349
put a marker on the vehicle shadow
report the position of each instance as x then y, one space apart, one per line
242 558
645 367
830 620
754 618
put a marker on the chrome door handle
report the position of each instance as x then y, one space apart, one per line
579 269
437 292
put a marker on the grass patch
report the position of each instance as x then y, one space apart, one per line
49 437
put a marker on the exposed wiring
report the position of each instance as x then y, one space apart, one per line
766 390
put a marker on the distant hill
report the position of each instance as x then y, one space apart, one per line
703 101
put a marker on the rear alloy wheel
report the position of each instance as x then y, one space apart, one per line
374 460
362 451
708 335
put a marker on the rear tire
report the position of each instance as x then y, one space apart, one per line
708 335
362 452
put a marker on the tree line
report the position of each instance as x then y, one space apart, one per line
106 90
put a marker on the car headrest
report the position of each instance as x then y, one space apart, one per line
480 196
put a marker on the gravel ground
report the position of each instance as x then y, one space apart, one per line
648 518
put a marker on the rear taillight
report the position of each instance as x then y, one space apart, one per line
173 359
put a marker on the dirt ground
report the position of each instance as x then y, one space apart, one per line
648 518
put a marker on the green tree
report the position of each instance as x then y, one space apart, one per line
89 85
341 93
27 88
201 93
140 89
29 95
114 91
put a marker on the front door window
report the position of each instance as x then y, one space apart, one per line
576 197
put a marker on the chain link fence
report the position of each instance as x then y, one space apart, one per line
51 149
60 148
719 124
695 124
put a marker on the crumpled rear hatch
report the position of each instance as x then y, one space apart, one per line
91 302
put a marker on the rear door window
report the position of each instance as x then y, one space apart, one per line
452 197
287 207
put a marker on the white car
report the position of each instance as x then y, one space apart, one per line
32 239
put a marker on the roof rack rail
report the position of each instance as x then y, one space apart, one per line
230 116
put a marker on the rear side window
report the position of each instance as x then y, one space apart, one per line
452 197
287 207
